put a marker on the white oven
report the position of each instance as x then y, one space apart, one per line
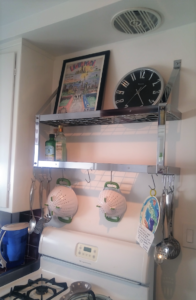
114 269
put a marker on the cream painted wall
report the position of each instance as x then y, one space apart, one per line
136 144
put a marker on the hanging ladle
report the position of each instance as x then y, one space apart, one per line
32 222
171 242
161 250
47 213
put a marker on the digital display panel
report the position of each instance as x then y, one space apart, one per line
87 249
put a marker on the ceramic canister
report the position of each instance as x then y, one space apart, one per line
13 240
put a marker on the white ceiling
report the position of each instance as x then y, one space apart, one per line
64 26
13 10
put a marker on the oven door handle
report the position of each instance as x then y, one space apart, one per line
3 263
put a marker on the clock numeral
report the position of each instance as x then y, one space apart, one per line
151 76
142 74
156 82
151 101
120 92
125 83
119 101
133 76
156 92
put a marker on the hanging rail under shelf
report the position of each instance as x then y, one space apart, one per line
108 167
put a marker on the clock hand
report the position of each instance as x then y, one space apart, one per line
135 95
138 93
141 89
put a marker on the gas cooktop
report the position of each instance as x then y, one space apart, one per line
47 289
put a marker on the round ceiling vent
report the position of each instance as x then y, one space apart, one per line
136 20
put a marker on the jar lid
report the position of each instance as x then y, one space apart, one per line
15 226
60 128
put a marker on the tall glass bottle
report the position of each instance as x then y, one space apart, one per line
60 145
50 148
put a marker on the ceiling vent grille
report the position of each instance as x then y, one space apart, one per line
136 21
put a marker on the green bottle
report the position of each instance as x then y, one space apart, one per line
50 148
60 145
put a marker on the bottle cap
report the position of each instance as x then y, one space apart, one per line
51 135
60 128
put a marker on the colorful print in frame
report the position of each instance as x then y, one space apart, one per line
81 84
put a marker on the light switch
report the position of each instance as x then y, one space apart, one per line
189 235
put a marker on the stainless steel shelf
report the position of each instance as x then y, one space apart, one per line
155 113
112 116
108 167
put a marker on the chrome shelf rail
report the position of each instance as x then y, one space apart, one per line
108 167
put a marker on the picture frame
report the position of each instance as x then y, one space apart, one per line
81 83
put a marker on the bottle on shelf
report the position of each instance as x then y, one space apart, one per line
60 145
50 148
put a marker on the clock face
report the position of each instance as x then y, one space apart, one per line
140 87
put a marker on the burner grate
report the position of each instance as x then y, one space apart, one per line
40 288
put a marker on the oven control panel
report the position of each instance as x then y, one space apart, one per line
86 251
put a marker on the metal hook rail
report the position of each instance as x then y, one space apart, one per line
89 178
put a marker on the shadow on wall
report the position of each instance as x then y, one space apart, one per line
168 278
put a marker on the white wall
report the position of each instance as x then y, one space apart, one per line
136 144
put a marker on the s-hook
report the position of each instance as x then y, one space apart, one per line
153 189
89 179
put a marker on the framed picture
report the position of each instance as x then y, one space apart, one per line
81 84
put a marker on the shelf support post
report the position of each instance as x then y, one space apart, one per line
160 166
172 80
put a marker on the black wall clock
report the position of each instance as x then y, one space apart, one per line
139 87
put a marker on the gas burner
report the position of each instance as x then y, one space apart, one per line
39 289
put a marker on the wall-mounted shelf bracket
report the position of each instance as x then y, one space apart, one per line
162 112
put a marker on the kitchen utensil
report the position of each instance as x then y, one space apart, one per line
161 250
32 222
47 214
39 226
78 287
171 242
63 201
13 240
112 202
150 214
